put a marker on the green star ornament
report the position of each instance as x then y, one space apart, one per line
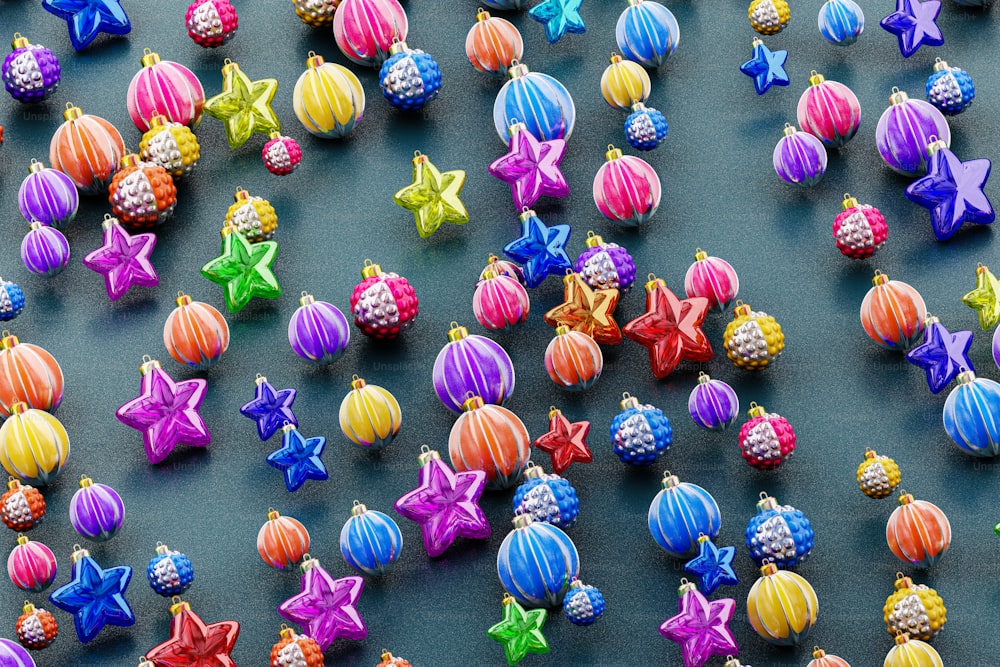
433 196
244 105
985 299
520 631
243 269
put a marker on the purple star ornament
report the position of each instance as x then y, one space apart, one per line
166 412
446 504
123 259
326 608
271 408
701 627
952 191
942 355
914 23
531 167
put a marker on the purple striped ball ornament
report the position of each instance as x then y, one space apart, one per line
96 511
471 365
44 250
906 129
31 566
48 196
799 158
13 655
713 404
318 332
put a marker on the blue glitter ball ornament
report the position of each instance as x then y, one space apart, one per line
679 514
583 604
645 128
547 498
640 434
972 415
536 562
779 533
410 78
950 89
370 541
841 22
11 300
169 572
539 101
647 33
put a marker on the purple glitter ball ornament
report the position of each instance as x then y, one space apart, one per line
713 404
606 265
30 72
96 511
318 332
799 158
48 196
475 365
44 250
905 130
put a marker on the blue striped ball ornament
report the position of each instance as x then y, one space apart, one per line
647 32
536 563
972 415
370 541
841 22
679 513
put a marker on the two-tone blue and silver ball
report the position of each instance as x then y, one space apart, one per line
548 498
645 128
169 572
779 533
11 300
583 604
950 89
410 78
640 434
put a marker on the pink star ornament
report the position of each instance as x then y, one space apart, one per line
326 608
123 259
531 167
701 627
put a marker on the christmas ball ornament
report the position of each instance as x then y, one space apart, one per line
11 300
317 331
22 507
170 145
471 365
493 44
540 248
640 434
779 534
490 438
713 404
299 458
701 628
388 660
123 259
282 541
328 98
626 86
383 304
859 229
433 196
94 595
211 23
766 439
502 267
500 302
548 498
782 606
950 89
829 110
912 653
878 476
326 608
573 359
536 562
44 250
34 445
30 72
252 216
645 127
31 566
520 631
29 374
914 609
626 189
409 78
753 339
605 265
918 532
679 514
48 196
972 415
295 649
370 541
583 604
531 167
943 355
14 655
193 642
766 67
164 88
821 658
905 130
768 17
142 194
365 30
96 511
799 158
670 330
243 269
36 628
712 278
195 333
169 572
370 415
893 313
244 105
952 191
281 154
538 100
647 33
841 22
316 13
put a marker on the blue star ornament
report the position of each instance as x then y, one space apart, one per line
540 248
271 408
299 458
914 23
88 18
943 354
95 597
713 566
765 67
952 191
559 17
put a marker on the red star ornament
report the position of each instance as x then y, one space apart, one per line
587 310
565 442
192 643
670 329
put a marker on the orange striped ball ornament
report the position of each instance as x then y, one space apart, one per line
493 44
88 149
573 359
283 541
893 313
822 659
918 532
28 374
490 438
195 334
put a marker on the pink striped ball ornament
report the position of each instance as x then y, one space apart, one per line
626 189
164 88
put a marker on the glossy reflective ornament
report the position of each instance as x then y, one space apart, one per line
536 562
942 355
565 441
96 511
244 105
370 541
765 67
326 608
389 660
384 304
490 438
606 265
86 20
142 194
712 278
365 29
328 98
520 631
587 310
22 507
640 434
44 250
559 17
282 541
169 572
670 330
299 458
171 146
281 154
295 649
34 445
500 302
29 374
713 566
829 111
950 89
211 23
316 13
782 606
799 158
505 5
243 270
768 17
821 658
410 78
493 44
14 655
531 167
11 300
985 299
647 33
625 86
952 191
914 23
433 196
164 88
893 313
472 365
713 404
779 534
753 339
370 415
195 333
317 331
701 627
538 100
573 359
30 73
766 439
35 628
541 249
859 229
918 532
271 408
905 131
912 653
94 596
878 476
915 609
31 566
548 498
972 415
48 196
679 514
841 22
252 216
626 189
194 642
86 148
583 604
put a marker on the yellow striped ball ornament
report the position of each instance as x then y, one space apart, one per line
328 98
782 606
34 445
370 415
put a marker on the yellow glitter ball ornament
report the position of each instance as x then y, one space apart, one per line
753 339
170 145
253 217
915 609
768 17
878 475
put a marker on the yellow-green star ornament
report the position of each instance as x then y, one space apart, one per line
243 269
520 631
985 299
244 105
433 196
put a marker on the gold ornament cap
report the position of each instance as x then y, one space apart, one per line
879 279
815 78
18 408
22 540
562 330
526 214
130 160
902 638
314 60
756 410
789 130
182 300
228 67
427 455
8 341
159 120
902 582
940 65
259 380
766 502
533 471
286 632
162 549
897 97
966 377
19 41
628 402
109 221
686 587
905 498
72 112
308 563
306 299
517 70
612 153
147 365
36 166
28 608
768 569
669 481
554 412
654 283
848 202
358 383
179 607
594 240
522 521
700 255
742 309
398 47
704 378
358 509
481 15
149 58
472 403
457 333
370 270
516 127
85 482
935 146
818 653
14 485
78 553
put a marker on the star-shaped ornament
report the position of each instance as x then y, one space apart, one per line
326 608
713 566
587 310
244 270
565 441
166 412
123 259
520 631
193 643
670 329
299 458
95 596
433 197
942 355
531 167
952 191
88 18
244 105
765 67
985 299
540 249
701 627
559 17
914 23
271 408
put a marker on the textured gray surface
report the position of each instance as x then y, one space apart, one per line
720 193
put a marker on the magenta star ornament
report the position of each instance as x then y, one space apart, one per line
446 504
952 191
531 167
166 412
914 23
123 259
326 608
701 627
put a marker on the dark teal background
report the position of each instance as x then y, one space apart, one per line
720 193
